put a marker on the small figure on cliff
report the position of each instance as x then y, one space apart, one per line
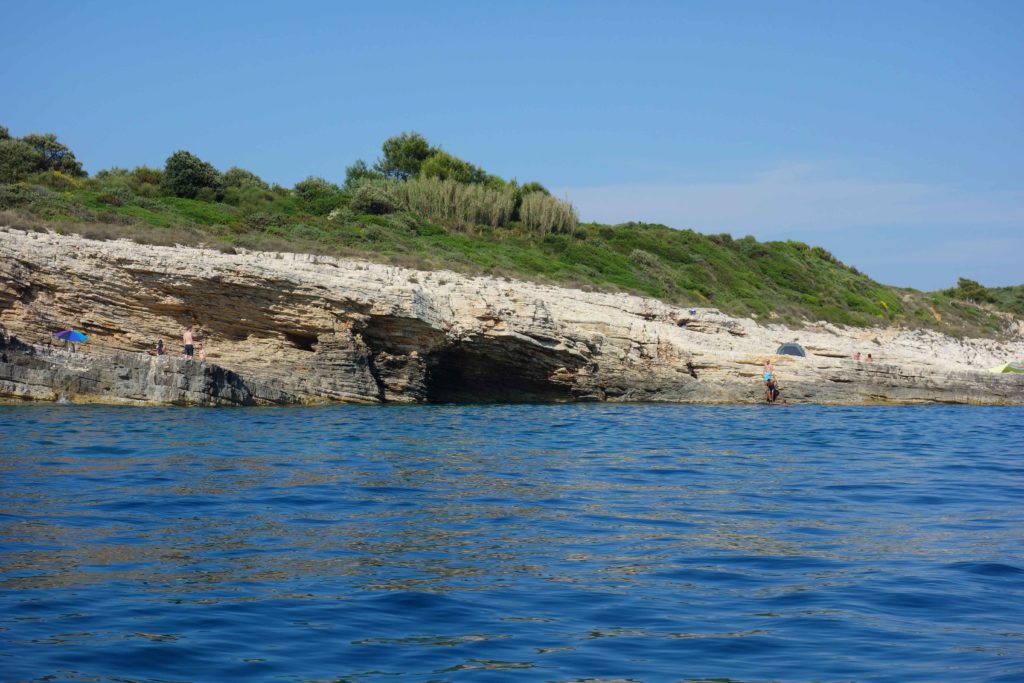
856 356
159 347
187 338
200 352
869 359
771 389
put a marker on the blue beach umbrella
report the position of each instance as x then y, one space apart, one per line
71 336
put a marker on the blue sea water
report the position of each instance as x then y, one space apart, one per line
527 543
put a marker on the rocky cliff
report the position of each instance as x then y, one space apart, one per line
287 328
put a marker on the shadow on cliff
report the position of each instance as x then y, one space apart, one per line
499 371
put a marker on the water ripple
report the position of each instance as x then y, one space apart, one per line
558 543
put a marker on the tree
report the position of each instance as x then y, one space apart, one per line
185 175
403 155
318 196
18 160
4 133
971 290
239 177
53 155
443 165
358 173
244 188
534 186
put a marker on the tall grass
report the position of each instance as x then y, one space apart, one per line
456 205
462 206
543 213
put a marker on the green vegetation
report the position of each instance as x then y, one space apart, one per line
188 176
422 207
34 153
1010 299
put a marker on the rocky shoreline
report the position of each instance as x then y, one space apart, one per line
300 329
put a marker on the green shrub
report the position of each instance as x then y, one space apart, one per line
18 160
645 260
206 194
242 187
13 196
147 190
53 155
110 179
374 199
55 180
109 198
186 175
532 186
319 197
970 290
115 173
144 175
342 214
257 221
249 196
444 166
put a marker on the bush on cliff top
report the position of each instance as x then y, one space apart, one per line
188 176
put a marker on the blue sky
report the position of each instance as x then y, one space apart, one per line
890 133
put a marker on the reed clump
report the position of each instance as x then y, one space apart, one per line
545 214
462 206
456 205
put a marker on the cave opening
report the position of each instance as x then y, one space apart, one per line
303 341
480 375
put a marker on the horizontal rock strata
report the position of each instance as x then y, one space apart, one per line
48 374
287 328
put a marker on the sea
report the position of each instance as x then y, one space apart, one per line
580 542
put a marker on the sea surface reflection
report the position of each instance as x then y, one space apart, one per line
549 543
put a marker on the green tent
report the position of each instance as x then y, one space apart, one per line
1009 367
791 349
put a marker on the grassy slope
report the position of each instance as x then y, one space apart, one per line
785 281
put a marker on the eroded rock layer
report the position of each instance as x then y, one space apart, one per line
286 328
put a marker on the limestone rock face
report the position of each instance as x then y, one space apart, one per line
46 374
286 328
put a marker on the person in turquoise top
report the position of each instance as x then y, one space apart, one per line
771 391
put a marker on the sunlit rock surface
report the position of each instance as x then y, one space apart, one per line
285 328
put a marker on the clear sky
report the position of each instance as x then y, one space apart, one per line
891 133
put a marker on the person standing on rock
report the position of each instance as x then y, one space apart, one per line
187 338
771 391
159 347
